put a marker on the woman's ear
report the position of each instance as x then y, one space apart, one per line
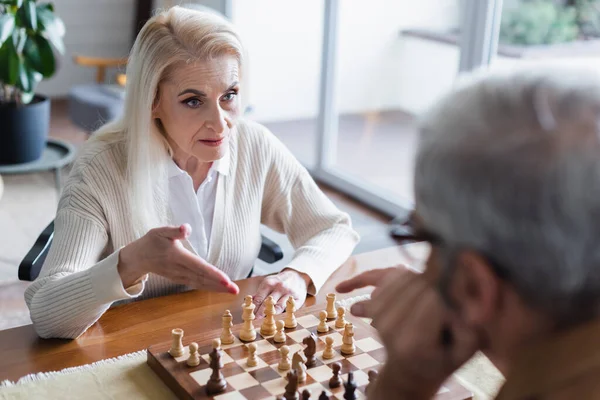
475 288
156 104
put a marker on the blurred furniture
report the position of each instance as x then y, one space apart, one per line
55 156
30 267
93 104
1 187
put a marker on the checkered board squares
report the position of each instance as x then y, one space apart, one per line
265 381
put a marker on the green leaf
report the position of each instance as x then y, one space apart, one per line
40 56
13 65
22 76
30 15
19 39
53 27
26 97
7 24
4 62
45 6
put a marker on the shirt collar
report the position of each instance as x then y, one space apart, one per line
542 367
221 166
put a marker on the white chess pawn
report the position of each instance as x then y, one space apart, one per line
252 360
328 352
299 364
176 349
323 327
341 320
284 363
194 358
290 309
348 347
331 312
248 333
227 336
280 334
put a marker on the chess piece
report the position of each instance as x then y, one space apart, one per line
194 358
350 387
290 309
248 333
284 363
341 322
216 383
176 349
323 327
268 326
323 396
331 311
306 394
372 378
310 350
280 334
252 360
299 364
328 353
291 389
348 347
227 335
335 380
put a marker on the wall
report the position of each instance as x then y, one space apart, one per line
102 28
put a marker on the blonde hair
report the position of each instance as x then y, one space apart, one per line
177 35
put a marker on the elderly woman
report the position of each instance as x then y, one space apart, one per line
171 196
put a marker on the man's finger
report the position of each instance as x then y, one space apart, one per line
262 292
368 278
360 309
280 298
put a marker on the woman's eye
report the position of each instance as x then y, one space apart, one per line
193 103
229 96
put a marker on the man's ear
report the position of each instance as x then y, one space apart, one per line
475 288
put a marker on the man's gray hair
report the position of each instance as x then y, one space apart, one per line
509 165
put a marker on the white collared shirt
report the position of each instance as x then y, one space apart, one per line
195 208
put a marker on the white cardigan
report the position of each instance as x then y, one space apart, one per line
265 185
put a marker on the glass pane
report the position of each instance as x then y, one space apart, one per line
395 58
564 30
283 40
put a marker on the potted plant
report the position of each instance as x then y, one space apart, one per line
31 39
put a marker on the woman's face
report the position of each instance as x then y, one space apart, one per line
198 106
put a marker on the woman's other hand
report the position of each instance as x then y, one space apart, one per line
281 286
161 252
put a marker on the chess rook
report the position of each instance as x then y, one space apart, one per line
227 335
268 326
331 311
290 317
176 349
248 333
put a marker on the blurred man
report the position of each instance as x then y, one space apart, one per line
507 189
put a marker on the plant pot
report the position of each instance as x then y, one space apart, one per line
24 130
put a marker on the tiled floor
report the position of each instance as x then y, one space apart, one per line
29 204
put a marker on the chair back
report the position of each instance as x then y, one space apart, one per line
30 267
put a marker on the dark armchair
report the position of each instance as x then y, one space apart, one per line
30 267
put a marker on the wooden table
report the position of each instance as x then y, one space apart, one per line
135 326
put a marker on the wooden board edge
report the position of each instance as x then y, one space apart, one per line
165 376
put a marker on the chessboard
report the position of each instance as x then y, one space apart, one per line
266 380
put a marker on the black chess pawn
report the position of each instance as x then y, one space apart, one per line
335 380
323 396
291 389
372 378
306 394
350 388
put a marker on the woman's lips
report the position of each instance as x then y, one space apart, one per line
212 142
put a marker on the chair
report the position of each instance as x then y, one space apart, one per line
30 267
93 104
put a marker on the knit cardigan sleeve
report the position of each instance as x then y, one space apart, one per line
321 234
76 285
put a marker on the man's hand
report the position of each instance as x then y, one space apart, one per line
281 286
424 340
